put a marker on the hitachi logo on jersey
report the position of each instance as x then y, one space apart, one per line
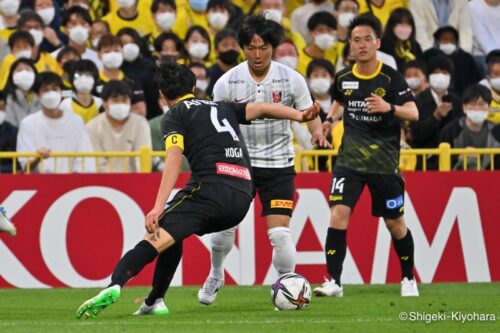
234 152
198 102
356 104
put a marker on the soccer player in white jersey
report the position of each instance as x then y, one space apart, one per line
269 142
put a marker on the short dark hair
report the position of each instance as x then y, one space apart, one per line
476 91
199 65
439 62
174 80
437 34
65 51
321 18
47 79
156 5
226 4
81 66
492 58
416 64
223 34
116 88
179 44
270 31
320 63
75 10
29 15
21 35
338 2
130 32
108 40
366 19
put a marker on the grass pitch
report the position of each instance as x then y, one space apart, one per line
364 308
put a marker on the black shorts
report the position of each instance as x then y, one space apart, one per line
203 208
276 189
387 191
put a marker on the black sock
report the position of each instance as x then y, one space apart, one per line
133 262
165 268
335 250
404 248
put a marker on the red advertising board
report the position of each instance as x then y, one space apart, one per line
72 229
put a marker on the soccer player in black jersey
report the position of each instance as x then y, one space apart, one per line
373 99
217 195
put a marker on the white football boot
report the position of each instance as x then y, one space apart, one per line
208 293
409 288
158 309
329 288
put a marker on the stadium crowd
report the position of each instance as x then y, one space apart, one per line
76 75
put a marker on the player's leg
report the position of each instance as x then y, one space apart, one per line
5 224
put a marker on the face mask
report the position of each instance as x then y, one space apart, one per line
202 85
51 100
439 81
125 3
413 82
345 19
37 36
198 50
447 48
130 52
112 60
199 5
403 31
2 117
9 7
217 20
320 86
229 57
84 84
23 79
119 111
324 41
495 83
165 20
95 42
275 15
476 116
47 14
23 54
289 61
79 34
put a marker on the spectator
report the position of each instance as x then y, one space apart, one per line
8 135
447 43
429 15
218 14
301 15
196 13
134 63
381 9
118 129
202 79
166 20
322 28
50 14
197 44
399 40
345 11
170 46
287 54
21 99
129 15
492 82
65 57
472 130
437 107
53 130
415 73
10 16
98 29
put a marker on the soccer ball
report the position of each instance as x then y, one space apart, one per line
291 292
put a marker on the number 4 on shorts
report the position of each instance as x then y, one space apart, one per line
338 184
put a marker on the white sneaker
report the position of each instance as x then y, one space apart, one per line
158 309
208 293
409 288
5 224
329 288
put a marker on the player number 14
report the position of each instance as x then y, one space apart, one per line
338 184
225 127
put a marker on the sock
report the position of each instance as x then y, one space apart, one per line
165 268
404 248
284 252
133 262
222 243
335 250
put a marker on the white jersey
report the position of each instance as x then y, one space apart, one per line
269 141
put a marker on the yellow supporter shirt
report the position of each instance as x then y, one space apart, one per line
383 12
6 33
142 5
494 115
331 55
86 112
143 22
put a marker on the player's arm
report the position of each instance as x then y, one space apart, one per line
334 113
316 129
407 111
279 111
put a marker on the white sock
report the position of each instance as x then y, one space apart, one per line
284 252
222 243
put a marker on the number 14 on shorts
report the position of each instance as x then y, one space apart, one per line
338 185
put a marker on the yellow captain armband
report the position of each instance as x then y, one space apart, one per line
176 140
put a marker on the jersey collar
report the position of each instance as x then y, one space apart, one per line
366 77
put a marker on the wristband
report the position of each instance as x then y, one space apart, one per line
329 119
392 109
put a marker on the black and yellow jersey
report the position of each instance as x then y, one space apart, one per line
209 135
371 141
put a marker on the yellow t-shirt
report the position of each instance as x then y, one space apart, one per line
6 33
383 12
142 5
331 55
143 22
494 115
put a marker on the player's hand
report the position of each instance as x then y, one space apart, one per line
44 152
443 109
320 140
311 113
376 104
151 223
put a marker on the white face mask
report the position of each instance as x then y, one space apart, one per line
79 34
51 100
112 60
47 14
131 51
84 84
413 82
345 19
37 36
125 3
439 81
23 54
9 7
320 86
95 42
218 20
275 15
202 85
165 20
324 41
2 117
24 79
289 61
477 116
495 83
403 31
448 48
198 50
119 111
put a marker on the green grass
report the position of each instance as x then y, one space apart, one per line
365 308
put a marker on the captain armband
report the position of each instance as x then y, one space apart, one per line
176 140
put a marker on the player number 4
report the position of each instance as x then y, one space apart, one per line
225 127
338 184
